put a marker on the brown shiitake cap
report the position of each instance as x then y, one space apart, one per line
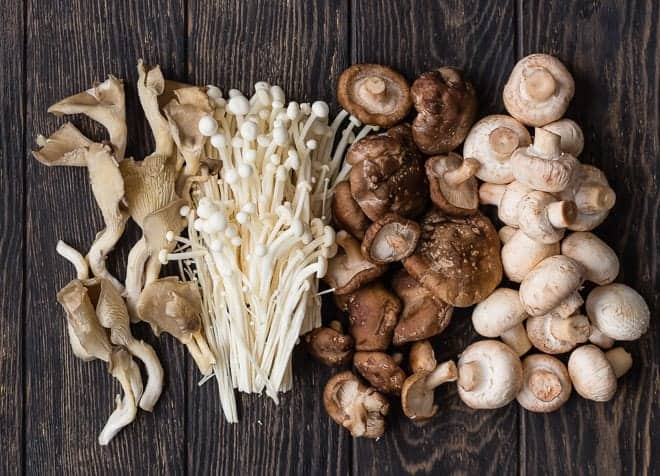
454 188
457 258
329 346
390 238
380 370
347 213
373 312
546 385
447 107
375 94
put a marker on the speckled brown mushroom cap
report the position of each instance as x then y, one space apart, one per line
375 94
457 258
329 346
380 370
454 188
446 107
347 213
390 238
373 312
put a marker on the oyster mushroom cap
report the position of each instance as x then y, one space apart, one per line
329 346
592 194
67 146
346 212
572 138
373 312
454 189
546 384
150 86
618 311
418 392
457 258
157 224
491 141
538 90
600 263
520 254
557 335
594 373
380 370
375 94
390 238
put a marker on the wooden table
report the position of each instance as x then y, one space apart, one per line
52 405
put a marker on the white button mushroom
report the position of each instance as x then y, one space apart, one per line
618 311
600 263
506 198
594 373
546 384
593 196
520 254
556 335
572 138
543 218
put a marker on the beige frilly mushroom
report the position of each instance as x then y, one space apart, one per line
150 86
67 146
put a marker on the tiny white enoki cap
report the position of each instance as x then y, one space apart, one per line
231 231
218 141
244 170
242 217
207 126
205 208
213 92
249 130
162 256
217 222
261 85
260 250
320 109
231 176
169 236
198 224
250 156
234 92
184 211
312 144
239 105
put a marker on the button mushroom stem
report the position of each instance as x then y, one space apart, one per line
375 87
575 329
75 258
594 198
544 384
620 360
600 339
503 141
469 376
466 170
540 84
491 193
561 214
546 143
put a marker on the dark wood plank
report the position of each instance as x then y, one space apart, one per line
415 36
612 48
12 246
68 401
300 45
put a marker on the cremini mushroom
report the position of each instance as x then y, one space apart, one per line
618 311
572 138
501 315
329 345
592 195
546 384
446 107
150 86
538 90
373 313
418 392
423 315
598 338
454 189
543 166
422 357
67 146
356 407
556 335
594 373
506 198
457 258
489 375
380 370
543 218
520 254
347 213
390 238
174 306
491 141
600 263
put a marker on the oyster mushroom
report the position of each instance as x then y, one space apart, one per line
594 373
380 370
375 94
390 238
373 313
454 189
543 218
618 311
556 335
418 392
520 254
592 195
356 407
329 345
67 146
150 86
457 258
347 213
491 141
572 138
600 263
546 385
446 107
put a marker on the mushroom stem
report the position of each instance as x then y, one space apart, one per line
574 329
506 233
561 214
350 246
517 339
468 378
503 141
105 241
154 386
620 360
445 372
600 339
540 84
375 86
336 325
491 194
152 270
137 258
201 354
123 415
544 384
72 255
546 143
594 198
467 170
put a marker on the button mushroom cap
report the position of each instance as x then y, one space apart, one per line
347 213
356 407
373 313
520 254
618 311
501 315
506 198
446 107
549 283
418 392
556 335
600 263
572 138
491 141
453 187
546 384
543 218
489 375
457 258
423 315
594 373
422 357
375 94
390 238
538 90
329 346
593 196
380 370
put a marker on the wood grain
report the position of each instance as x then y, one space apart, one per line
613 50
69 46
301 46
413 37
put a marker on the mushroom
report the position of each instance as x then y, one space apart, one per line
349 270
175 307
491 141
418 392
543 218
550 283
390 238
618 311
489 375
600 263
422 357
520 254
543 166
373 313
150 86
457 258
546 385
347 213
454 189
572 138
103 103
423 315
380 370
446 107
598 338
594 373
538 90
501 315
356 407
67 146
593 196
329 345
375 94
506 198
556 335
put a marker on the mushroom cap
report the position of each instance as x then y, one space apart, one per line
572 138
446 107
373 312
489 375
455 198
593 207
538 90
418 392
157 224
536 221
491 141
600 263
375 94
422 357
592 374
380 370
540 334
457 258
546 384
618 311
67 146
356 407
328 346
521 253
390 238
423 315
549 283
498 313
347 213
